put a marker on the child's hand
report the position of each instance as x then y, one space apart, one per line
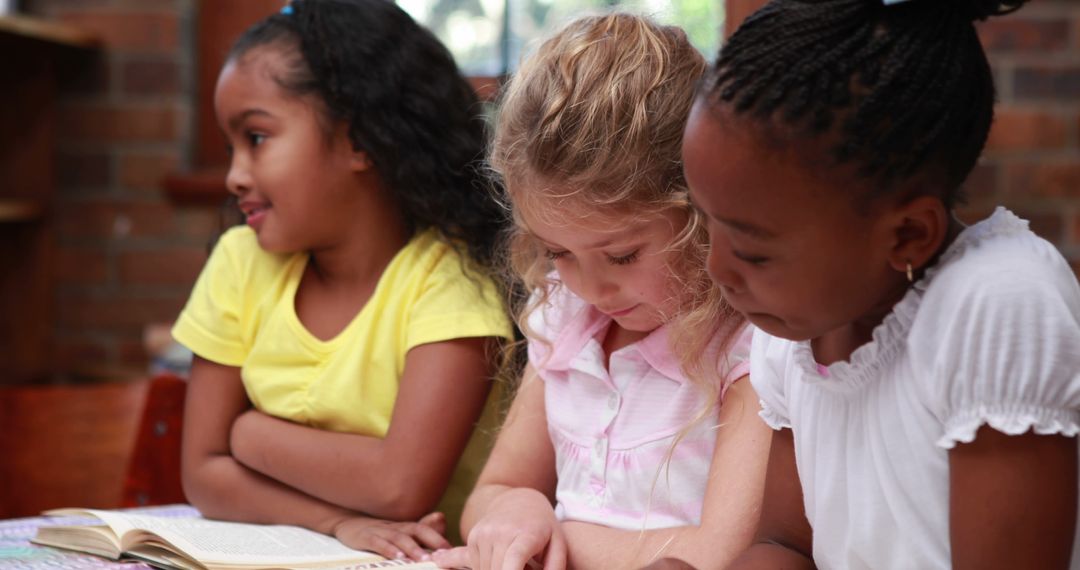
394 539
519 527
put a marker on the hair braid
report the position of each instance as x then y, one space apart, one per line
910 82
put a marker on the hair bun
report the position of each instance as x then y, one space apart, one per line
978 10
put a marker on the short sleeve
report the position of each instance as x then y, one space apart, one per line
767 364
210 323
550 319
736 363
1006 352
453 304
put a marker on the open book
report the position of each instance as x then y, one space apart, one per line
201 544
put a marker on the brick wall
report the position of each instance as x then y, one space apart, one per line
126 256
1032 161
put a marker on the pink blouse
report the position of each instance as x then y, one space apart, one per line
614 430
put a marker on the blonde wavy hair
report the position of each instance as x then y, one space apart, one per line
593 123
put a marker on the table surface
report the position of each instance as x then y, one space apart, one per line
16 552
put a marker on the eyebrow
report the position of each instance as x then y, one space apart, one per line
748 228
235 120
737 225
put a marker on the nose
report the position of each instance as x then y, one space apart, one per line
722 270
238 179
596 284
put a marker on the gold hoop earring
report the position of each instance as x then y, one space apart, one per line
910 276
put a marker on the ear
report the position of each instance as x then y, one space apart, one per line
919 226
359 161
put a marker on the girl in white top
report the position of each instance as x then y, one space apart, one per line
601 462
923 377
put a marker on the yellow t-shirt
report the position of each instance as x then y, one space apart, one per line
242 313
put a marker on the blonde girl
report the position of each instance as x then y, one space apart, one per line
601 462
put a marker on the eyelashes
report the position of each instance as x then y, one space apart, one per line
624 259
612 259
748 258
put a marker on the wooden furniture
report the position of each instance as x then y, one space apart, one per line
153 473
66 445
27 132
104 445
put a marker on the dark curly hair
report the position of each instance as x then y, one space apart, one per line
904 89
406 105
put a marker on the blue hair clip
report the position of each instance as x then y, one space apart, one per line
287 10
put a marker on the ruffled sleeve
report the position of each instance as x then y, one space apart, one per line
768 359
1000 346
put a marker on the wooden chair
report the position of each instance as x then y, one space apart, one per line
100 445
66 445
153 474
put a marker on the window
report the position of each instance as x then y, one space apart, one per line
489 37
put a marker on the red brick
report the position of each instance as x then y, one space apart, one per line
981 184
972 213
1045 179
1048 225
1018 34
118 312
106 219
83 169
199 225
736 11
75 353
1057 82
80 265
60 6
99 123
1023 129
168 266
130 31
150 77
131 353
145 171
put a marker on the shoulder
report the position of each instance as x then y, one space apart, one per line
443 293
427 257
1001 273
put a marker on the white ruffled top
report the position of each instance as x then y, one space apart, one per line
989 336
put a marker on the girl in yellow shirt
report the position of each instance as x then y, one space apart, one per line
343 336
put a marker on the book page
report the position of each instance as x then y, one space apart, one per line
218 542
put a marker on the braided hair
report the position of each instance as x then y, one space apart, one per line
405 103
903 89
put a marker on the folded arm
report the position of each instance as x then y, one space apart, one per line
218 485
442 394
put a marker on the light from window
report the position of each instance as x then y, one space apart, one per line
489 37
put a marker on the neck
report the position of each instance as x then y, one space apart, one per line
838 344
359 255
